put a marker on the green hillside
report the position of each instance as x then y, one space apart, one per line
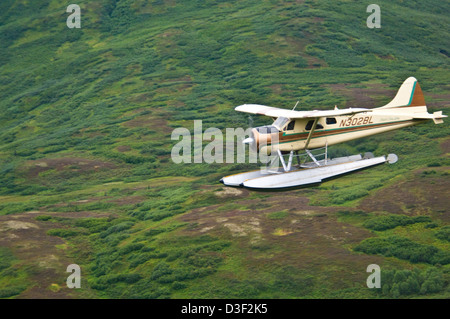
86 175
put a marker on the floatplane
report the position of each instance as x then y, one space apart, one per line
313 131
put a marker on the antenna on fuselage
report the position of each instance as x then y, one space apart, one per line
295 105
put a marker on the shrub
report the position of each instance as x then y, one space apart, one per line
94 225
404 248
105 281
178 285
278 215
11 291
139 259
61 232
6 258
388 222
444 233
396 283
43 218
129 248
116 229
162 269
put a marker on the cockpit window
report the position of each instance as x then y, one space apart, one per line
291 126
309 125
280 122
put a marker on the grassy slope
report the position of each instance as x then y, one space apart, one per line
86 116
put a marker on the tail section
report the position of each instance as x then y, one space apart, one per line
409 100
410 94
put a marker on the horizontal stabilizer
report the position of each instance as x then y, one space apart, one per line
437 117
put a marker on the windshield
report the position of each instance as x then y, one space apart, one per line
280 122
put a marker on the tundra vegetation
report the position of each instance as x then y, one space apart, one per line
86 177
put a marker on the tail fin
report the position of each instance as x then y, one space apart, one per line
409 94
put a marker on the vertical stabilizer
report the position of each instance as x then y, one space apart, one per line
410 94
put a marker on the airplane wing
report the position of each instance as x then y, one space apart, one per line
277 112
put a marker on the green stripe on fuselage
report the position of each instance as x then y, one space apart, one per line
340 128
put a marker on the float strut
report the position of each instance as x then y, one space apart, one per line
288 166
312 157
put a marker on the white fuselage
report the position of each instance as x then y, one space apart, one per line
339 129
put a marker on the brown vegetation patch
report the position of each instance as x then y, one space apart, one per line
128 200
71 163
438 102
386 57
313 221
445 146
28 240
152 121
418 196
80 214
140 97
45 256
375 96
306 237
185 78
229 192
299 46
73 203
174 88
124 148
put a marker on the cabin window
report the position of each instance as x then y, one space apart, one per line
331 120
310 124
291 126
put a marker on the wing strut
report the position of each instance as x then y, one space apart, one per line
313 128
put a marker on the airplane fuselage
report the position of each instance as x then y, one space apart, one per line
334 130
